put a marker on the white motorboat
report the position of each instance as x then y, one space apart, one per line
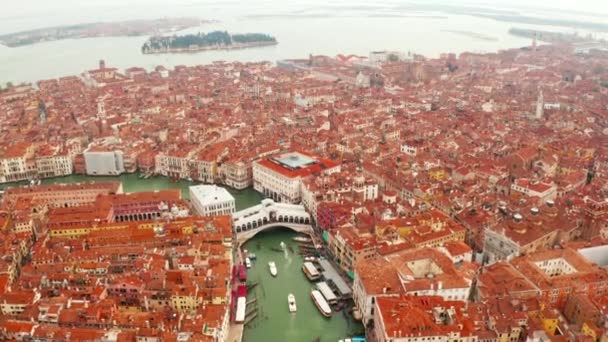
301 239
273 268
247 263
283 245
291 300
320 302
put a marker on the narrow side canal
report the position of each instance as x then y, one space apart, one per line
274 322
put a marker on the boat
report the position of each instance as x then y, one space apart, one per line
291 301
310 258
241 305
247 262
310 271
283 245
301 239
273 268
320 302
252 256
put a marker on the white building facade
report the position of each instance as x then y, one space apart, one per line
211 200
104 163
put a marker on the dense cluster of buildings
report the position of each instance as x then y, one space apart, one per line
86 262
467 195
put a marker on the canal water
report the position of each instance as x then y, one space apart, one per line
274 321
132 183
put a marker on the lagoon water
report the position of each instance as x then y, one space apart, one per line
301 29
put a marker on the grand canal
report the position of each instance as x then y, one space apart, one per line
274 322
132 183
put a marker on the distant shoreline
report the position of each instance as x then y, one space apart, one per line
128 28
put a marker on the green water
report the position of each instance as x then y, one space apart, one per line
274 321
132 183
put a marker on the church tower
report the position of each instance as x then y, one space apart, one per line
540 106
101 109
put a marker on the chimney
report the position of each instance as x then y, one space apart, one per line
439 285
534 211
102 64
517 217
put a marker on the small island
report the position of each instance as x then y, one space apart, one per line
128 28
216 40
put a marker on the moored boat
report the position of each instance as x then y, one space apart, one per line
247 263
291 301
273 268
320 302
241 306
310 271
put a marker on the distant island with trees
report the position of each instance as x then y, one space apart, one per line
216 40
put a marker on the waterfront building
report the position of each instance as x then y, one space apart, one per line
174 164
63 195
279 177
145 205
17 162
51 161
102 161
349 248
211 200
236 174
374 278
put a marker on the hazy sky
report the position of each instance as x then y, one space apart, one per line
20 7
17 15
